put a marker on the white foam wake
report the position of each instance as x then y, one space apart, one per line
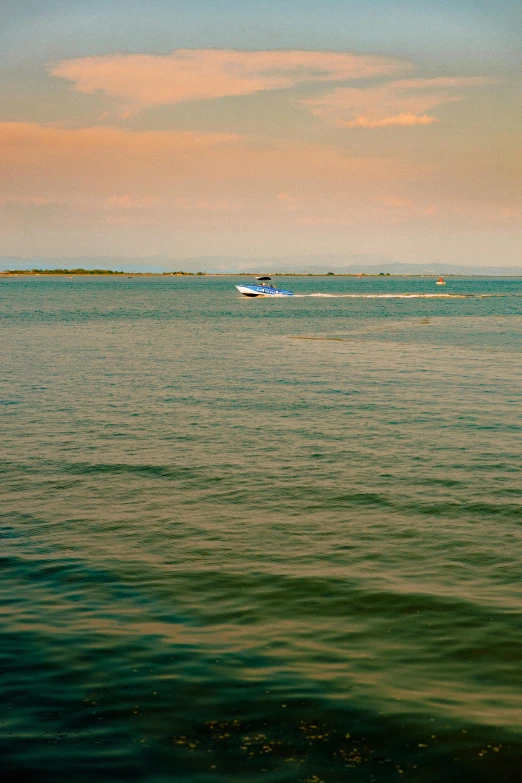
392 296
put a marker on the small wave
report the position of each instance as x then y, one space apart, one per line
158 471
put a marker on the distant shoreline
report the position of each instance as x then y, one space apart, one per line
118 273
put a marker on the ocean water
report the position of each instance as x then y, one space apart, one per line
261 540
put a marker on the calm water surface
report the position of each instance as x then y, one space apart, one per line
261 540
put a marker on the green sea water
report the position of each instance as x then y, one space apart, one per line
261 540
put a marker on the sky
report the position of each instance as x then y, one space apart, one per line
230 127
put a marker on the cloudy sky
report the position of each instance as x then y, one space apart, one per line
211 127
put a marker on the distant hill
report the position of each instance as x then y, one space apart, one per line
315 264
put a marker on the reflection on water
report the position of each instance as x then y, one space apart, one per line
261 540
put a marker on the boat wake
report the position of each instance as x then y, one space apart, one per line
400 296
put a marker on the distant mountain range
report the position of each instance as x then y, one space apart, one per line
309 264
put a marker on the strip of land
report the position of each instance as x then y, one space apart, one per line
120 273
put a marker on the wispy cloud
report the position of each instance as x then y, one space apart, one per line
403 102
136 81
403 208
399 119
85 178
123 174
97 155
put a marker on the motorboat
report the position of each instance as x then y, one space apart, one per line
441 281
263 287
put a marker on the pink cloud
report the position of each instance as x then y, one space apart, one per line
140 80
109 159
400 119
118 176
33 146
404 209
403 102
107 176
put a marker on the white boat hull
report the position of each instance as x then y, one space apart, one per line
261 290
